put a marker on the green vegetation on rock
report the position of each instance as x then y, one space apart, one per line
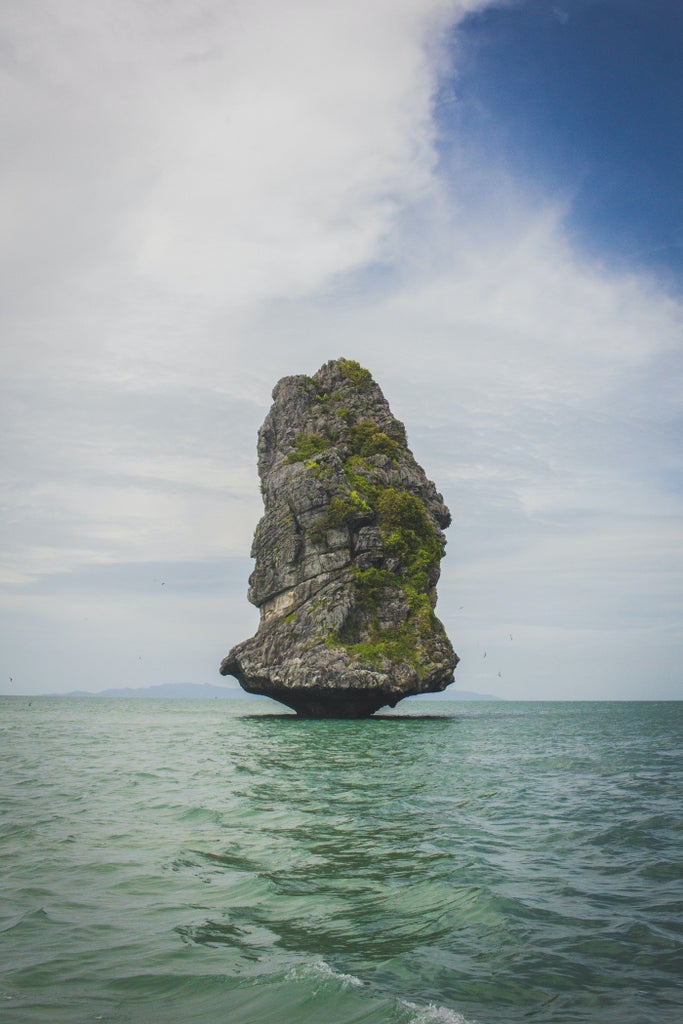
308 445
409 536
368 642
359 477
353 371
341 512
366 439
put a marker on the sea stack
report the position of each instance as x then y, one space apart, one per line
347 554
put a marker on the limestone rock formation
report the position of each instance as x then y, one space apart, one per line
347 554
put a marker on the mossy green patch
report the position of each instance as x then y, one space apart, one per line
341 512
308 445
405 643
359 504
371 586
354 372
338 513
409 536
394 645
359 477
366 439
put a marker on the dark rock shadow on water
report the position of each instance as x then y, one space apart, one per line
288 717
415 718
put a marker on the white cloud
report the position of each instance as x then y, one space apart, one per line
237 152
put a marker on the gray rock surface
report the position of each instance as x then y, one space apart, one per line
346 555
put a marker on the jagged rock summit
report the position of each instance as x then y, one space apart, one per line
347 554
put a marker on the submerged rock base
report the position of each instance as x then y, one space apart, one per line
328 703
347 555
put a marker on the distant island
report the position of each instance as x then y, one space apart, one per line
164 691
207 691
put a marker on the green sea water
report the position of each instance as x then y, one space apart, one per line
224 861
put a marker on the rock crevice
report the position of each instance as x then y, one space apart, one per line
347 554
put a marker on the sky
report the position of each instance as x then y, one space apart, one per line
479 201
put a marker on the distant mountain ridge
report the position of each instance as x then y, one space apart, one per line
207 691
453 694
164 691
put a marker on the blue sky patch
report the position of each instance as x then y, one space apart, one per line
584 97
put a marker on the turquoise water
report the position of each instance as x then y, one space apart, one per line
211 861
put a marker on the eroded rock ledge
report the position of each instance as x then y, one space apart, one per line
347 554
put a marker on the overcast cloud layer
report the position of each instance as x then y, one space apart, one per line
198 199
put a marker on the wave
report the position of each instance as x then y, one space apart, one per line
405 1010
431 1014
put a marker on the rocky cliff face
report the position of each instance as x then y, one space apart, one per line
347 554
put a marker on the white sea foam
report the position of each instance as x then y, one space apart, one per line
321 969
432 1014
429 1014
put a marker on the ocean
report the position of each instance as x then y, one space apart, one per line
224 861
